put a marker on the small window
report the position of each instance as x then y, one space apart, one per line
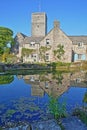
37 26
32 44
79 56
47 57
80 44
34 60
47 41
31 55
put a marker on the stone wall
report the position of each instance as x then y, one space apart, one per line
56 37
38 24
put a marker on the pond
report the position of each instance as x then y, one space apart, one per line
25 98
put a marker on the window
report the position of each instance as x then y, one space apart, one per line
80 44
33 55
37 26
32 44
47 41
79 56
46 85
47 57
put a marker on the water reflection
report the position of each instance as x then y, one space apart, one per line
6 79
85 97
54 85
24 98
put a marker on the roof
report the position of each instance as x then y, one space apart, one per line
33 39
77 39
21 34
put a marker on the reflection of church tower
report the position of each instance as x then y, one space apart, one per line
39 24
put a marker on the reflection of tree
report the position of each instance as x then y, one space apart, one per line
6 79
43 77
85 98
58 76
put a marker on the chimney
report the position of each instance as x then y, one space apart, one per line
56 24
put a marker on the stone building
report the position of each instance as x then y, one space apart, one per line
79 47
40 46
39 24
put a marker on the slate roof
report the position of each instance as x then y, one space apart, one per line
77 39
33 39
23 35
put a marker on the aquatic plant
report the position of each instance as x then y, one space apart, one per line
0 128
10 112
57 109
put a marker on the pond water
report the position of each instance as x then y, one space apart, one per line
25 98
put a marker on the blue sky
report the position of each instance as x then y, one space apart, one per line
72 14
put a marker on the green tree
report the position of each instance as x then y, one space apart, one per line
43 50
59 52
27 52
6 37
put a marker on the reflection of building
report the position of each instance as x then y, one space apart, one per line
19 76
79 79
37 91
75 47
34 81
53 87
46 83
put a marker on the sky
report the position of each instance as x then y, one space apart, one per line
72 14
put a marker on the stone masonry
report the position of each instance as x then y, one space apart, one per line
75 47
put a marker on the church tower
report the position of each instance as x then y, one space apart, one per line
39 24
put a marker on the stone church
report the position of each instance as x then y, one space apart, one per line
40 46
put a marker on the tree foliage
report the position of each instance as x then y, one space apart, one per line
27 52
43 50
6 37
59 52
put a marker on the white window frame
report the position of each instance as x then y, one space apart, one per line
34 57
47 41
32 44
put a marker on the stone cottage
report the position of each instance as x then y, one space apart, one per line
41 46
